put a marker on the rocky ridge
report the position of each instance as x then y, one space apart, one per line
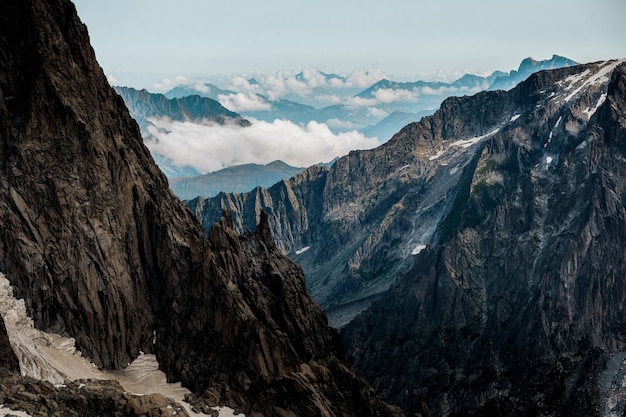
100 249
516 310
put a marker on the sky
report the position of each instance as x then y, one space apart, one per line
140 42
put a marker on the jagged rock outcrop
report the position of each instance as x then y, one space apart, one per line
100 249
518 308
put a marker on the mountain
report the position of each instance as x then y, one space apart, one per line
203 89
516 308
96 247
339 102
483 247
240 178
393 123
145 107
527 67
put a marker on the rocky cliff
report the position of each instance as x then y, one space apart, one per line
100 250
518 308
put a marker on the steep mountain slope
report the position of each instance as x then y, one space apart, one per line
238 179
518 308
99 248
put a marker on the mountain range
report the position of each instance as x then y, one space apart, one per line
402 102
475 260
360 109
239 178
146 108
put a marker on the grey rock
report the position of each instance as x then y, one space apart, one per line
517 310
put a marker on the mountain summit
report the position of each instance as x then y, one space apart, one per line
100 250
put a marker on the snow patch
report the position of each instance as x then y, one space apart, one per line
54 358
466 143
437 155
590 111
418 249
301 251
558 122
515 117
601 76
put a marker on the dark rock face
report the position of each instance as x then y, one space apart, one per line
80 398
518 309
8 359
100 249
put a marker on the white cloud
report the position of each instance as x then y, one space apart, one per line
241 102
242 84
329 99
378 113
280 84
210 148
360 102
341 124
389 95
365 78
201 88
167 84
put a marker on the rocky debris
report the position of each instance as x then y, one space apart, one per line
517 309
80 398
100 249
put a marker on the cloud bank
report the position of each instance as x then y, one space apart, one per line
243 102
210 148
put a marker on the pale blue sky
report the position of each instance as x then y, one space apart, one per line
139 42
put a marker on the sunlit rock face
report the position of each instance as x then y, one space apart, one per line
100 250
